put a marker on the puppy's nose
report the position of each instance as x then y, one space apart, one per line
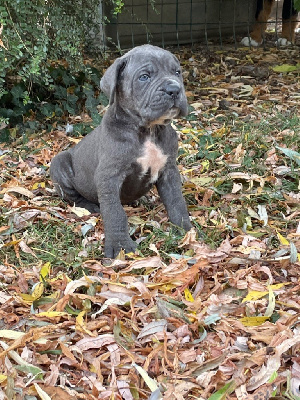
172 89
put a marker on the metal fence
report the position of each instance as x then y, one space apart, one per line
175 22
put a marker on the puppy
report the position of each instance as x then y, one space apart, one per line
134 147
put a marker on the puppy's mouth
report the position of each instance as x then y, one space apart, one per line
167 117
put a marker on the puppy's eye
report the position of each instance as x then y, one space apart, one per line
177 73
144 77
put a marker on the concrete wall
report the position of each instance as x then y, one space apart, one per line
178 21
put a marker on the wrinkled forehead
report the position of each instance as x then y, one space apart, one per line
147 57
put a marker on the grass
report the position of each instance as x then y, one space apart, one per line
60 242
256 138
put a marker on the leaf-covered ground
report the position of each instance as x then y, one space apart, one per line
213 314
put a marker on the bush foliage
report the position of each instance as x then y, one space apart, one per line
42 44
42 69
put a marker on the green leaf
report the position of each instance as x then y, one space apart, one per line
30 369
17 91
222 393
286 68
292 154
273 377
212 319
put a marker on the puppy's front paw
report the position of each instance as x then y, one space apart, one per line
186 225
113 246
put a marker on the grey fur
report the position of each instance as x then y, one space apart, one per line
133 148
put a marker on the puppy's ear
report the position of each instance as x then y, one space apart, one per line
110 79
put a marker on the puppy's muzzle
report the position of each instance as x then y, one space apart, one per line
172 89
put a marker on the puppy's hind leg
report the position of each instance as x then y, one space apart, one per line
61 172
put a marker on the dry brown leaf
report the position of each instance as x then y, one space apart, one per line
95 342
18 189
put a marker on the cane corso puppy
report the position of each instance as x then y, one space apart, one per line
134 147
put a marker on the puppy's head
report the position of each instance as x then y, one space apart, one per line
147 82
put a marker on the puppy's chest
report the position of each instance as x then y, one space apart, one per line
152 160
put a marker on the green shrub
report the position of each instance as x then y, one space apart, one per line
42 48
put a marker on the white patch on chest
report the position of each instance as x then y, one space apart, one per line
153 158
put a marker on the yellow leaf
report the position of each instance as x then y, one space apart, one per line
27 297
189 170
135 220
121 255
80 324
188 295
197 105
12 243
38 290
165 287
205 166
271 305
221 132
53 295
37 185
52 314
92 221
92 369
248 222
45 271
253 321
201 181
74 140
79 211
279 285
61 276
282 239
152 385
254 295
3 378
79 318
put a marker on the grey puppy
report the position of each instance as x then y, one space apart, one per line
134 147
